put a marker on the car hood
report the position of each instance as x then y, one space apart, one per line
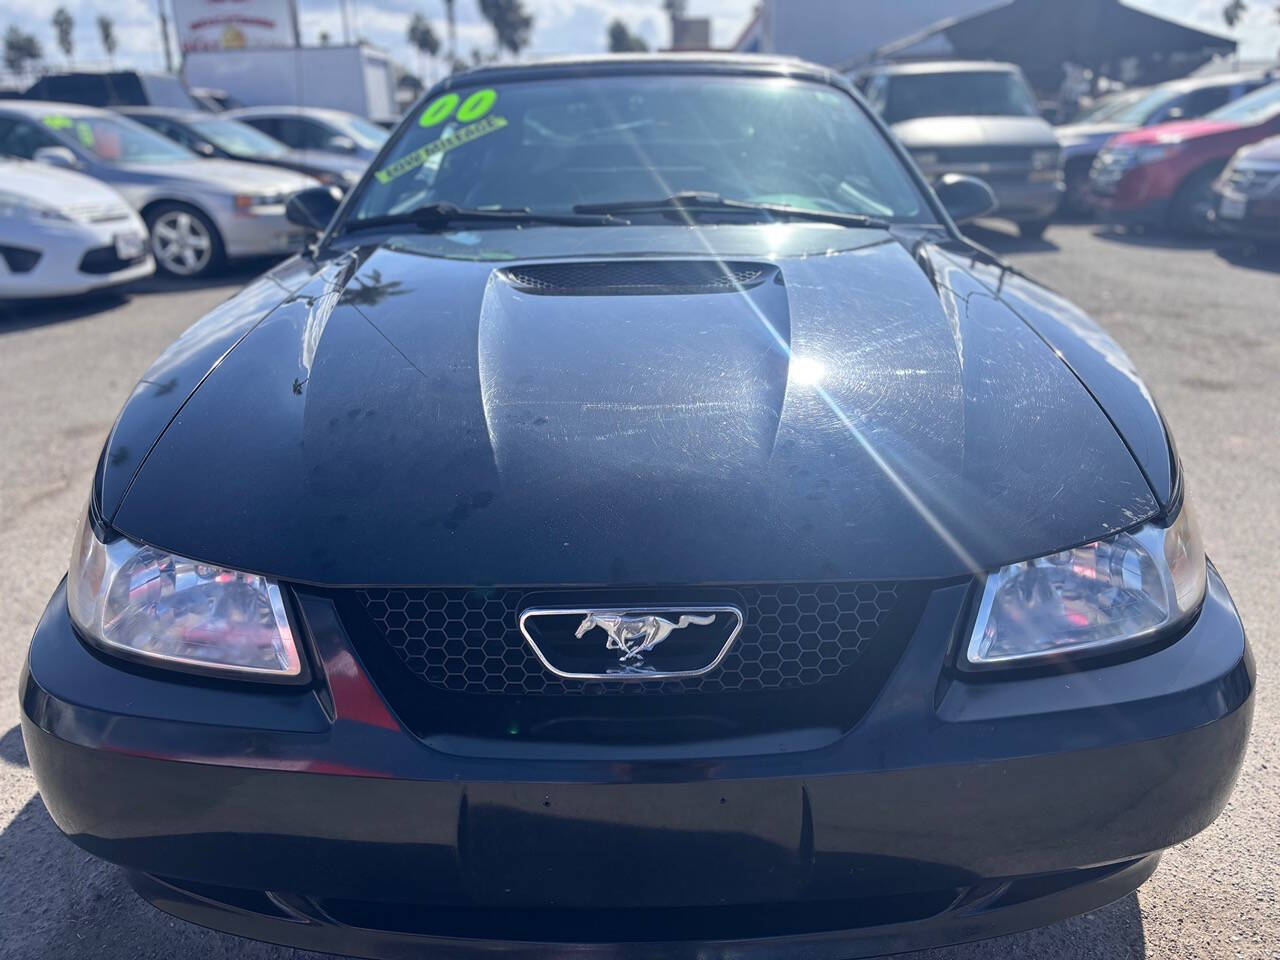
231 176
1175 132
1267 151
328 162
1070 134
463 409
975 131
57 187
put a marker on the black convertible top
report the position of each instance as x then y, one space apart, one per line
638 63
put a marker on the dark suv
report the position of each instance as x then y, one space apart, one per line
119 88
978 118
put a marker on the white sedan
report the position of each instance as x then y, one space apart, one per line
62 233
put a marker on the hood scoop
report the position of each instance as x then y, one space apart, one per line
629 278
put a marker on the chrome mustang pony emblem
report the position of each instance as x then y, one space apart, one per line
634 635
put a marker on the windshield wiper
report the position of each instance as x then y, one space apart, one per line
432 216
694 203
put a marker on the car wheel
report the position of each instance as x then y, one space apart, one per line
184 241
1075 202
1032 229
1188 207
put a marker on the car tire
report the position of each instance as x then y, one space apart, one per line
1186 209
1075 202
1032 229
184 242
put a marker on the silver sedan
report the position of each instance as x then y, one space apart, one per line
199 212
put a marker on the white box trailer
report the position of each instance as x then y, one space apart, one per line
358 79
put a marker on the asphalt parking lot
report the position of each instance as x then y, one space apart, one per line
1203 324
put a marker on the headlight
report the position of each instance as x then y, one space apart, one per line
255 204
1106 594
1044 159
16 205
148 605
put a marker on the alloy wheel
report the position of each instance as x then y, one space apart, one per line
181 242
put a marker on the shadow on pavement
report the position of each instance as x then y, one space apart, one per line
18 315
1251 256
1155 238
1005 241
59 903
235 274
12 749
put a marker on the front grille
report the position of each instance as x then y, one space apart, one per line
1253 182
468 641
807 663
636 277
984 155
104 260
1108 169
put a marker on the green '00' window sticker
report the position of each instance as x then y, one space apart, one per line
472 109
56 121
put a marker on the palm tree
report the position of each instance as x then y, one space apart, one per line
20 49
107 31
63 25
423 39
450 16
511 23
622 40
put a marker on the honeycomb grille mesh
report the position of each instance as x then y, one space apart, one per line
635 277
468 640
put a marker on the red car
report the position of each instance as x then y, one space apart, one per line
1163 175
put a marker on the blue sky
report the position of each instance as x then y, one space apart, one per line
562 26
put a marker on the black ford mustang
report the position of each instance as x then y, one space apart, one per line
641 526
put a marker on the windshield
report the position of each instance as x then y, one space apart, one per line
365 133
998 93
1141 110
1110 107
1255 108
165 91
239 139
116 140
551 145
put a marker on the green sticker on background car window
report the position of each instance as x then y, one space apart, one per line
56 121
458 138
473 108
84 133
438 110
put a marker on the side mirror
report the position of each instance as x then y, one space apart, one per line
340 144
965 198
313 208
62 157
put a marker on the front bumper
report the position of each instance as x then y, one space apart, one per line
1027 201
76 258
264 233
956 809
1246 217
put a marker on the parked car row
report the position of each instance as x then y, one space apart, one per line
1192 155
198 188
